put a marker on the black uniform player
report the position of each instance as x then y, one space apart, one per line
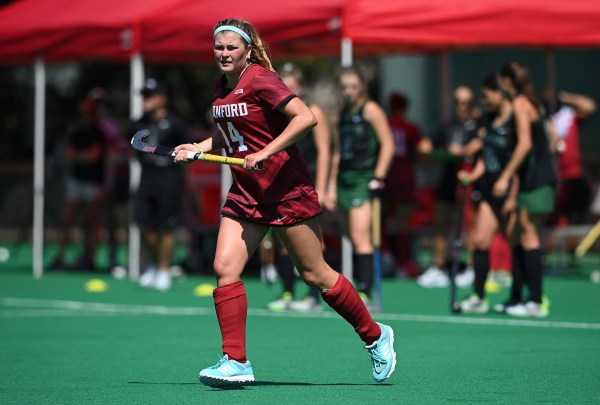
495 212
533 161
456 143
158 204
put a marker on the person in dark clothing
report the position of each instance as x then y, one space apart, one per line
158 203
532 161
455 143
494 212
86 156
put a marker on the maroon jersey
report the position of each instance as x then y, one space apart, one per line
400 181
248 118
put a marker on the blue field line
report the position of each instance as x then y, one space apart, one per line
27 307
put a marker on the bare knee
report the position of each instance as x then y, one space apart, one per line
322 279
481 242
225 271
529 237
530 240
361 242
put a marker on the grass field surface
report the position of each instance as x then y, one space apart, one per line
60 344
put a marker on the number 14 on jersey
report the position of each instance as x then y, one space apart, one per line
231 136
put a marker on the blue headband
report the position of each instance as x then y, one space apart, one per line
234 29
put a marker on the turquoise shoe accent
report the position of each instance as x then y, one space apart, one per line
226 373
383 356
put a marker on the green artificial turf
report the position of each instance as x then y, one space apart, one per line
62 345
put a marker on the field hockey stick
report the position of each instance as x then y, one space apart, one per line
139 145
588 241
377 261
455 248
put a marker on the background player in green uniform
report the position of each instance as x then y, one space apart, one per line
363 152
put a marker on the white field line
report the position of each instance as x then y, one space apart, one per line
20 307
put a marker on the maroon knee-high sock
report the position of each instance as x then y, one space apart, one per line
344 299
231 305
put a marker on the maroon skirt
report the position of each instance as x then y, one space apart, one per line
288 212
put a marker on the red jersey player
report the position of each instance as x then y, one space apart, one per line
399 193
259 119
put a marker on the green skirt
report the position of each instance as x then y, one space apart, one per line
353 189
540 200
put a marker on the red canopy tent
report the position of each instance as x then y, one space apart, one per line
184 31
66 29
435 24
162 30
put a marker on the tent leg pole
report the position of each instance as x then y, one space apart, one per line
136 111
38 168
346 52
346 61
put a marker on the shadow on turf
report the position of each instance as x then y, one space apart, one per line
259 384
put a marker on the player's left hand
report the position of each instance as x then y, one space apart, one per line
251 162
510 205
376 187
182 156
463 177
500 187
455 149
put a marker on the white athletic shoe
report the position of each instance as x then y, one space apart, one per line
176 271
119 272
308 304
434 277
502 277
474 305
268 273
502 307
282 303
162 280
529 309
466 278
147 279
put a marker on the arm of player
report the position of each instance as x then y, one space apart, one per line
510 204
322 139
556 144
301 118
468 177
376 117
331 191
213 143
584 105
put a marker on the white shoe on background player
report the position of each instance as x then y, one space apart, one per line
466 278
147 279
162 280
529 309
474 305
307 304
433 277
